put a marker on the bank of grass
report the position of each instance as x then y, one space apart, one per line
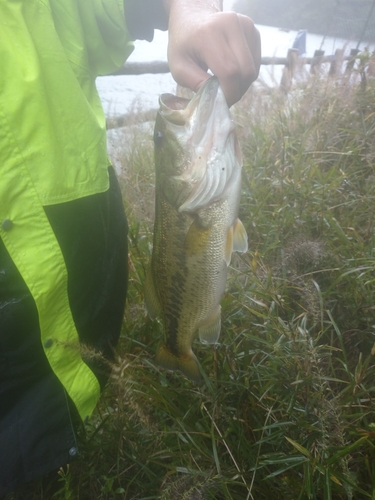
286 410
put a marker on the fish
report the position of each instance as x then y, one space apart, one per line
198 165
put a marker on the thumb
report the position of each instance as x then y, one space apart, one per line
190 75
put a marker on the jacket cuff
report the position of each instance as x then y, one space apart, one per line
143 16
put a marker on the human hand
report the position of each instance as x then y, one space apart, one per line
201 38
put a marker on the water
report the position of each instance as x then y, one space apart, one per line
121 94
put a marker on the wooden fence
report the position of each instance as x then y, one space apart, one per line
289 62
363 62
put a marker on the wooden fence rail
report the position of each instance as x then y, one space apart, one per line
157 67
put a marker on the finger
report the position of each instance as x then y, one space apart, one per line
253 40
234 54
191 74
207 48
229 44
244 44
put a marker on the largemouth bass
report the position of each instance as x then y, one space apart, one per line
198 181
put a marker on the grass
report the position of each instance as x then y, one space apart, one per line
286 410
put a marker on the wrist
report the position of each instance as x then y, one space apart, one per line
199 6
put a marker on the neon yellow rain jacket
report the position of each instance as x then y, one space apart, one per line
50 115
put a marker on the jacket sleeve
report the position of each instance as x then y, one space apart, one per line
143 16
106 35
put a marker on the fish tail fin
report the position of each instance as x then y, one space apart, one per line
186 364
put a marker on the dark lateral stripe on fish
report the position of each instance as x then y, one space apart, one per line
172 326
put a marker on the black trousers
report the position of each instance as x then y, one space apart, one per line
36 431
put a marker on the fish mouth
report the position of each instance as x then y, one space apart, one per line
205 128
179 110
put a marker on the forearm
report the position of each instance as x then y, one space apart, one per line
193 11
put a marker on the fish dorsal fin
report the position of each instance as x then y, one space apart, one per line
209 332
151 298
239 237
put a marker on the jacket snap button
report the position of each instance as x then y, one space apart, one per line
6 225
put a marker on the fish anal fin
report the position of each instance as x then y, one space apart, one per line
239 237
209 332
151 299
187 363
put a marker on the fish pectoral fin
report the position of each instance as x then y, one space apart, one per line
209 332
197 239
239 237
236 240
151 299
187 364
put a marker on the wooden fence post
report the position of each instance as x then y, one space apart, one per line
336 64
288 71
316 62
350 63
